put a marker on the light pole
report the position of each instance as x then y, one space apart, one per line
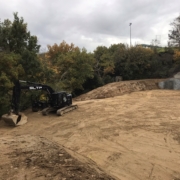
130 33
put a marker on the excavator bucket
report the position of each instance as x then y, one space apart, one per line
14 120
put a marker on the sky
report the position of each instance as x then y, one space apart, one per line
92 23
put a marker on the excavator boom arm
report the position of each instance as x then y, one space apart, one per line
29 86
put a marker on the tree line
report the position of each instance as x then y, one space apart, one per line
67 67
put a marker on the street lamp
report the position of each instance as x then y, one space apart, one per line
130 33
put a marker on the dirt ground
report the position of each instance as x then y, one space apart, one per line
128 136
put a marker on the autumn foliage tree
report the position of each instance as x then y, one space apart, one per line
71 65
176 57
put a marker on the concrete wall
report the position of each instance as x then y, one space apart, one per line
172 83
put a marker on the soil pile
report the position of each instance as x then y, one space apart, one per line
120 88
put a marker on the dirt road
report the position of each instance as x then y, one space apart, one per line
134 136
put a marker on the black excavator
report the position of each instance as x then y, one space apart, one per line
59 102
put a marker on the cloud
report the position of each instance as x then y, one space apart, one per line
92 23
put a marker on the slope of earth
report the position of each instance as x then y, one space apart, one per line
30 157
133 136
120 88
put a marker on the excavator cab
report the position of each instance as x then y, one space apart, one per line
61 99
38 103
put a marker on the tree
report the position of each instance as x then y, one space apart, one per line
176 57
140 61
75 68
10 71
132 62
174 35
120 58
18 57
47 74
103 61
71 65
14 37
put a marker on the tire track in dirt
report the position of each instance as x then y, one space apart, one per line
99 130
121 149
141 101
167 140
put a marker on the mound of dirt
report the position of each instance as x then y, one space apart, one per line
120 88
31 157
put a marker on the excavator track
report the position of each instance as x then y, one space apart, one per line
47 110
66 109
61 111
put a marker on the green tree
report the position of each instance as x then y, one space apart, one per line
10 71
14 37
132 62
120 56
174 34
103 66
139 59
18 57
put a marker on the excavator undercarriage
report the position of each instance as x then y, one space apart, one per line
61 111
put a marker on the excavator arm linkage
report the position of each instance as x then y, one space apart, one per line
14 117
